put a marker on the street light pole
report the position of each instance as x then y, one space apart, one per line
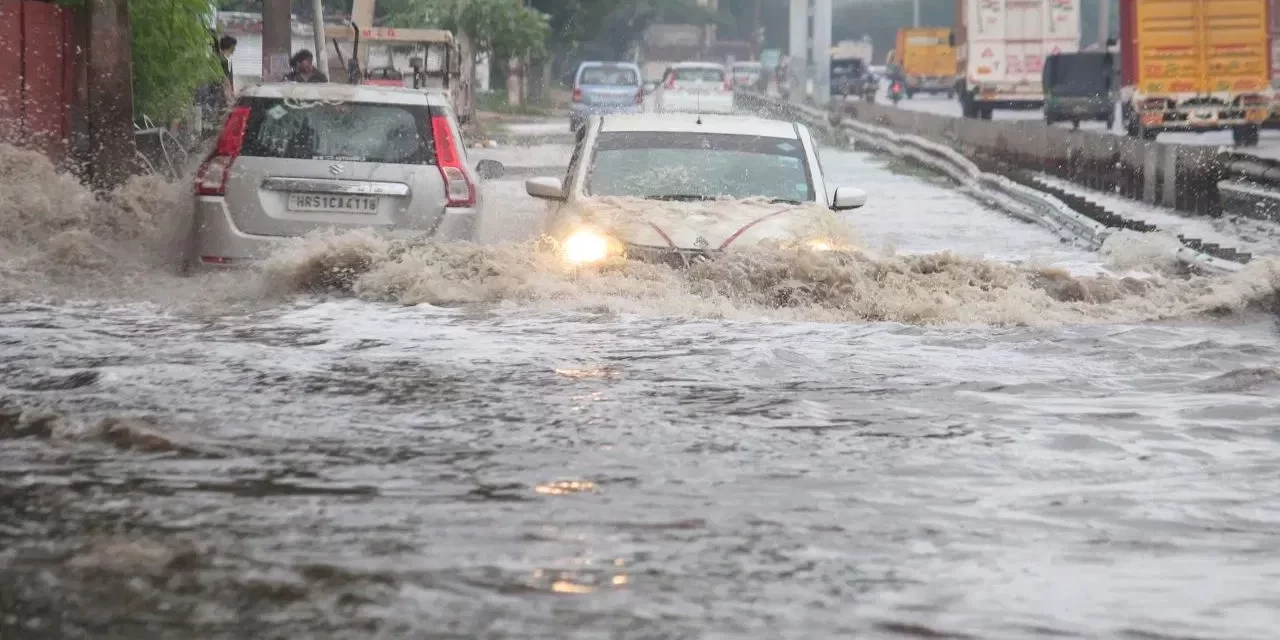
915 13
322 57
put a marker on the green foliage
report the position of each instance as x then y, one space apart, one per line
173 55
503 28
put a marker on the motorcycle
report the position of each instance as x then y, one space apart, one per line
895 91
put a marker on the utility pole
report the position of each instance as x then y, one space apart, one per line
915 13
322 56
277 39
1104 22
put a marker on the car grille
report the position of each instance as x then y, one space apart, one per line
676 258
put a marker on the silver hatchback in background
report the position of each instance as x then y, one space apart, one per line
293 158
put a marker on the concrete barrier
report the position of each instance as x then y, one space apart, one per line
1181 177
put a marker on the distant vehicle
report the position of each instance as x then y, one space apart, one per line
1080 86
686 159
293 158
1001 63
1195 66
852 77
927 60
605 87
745 74
701 87
446 65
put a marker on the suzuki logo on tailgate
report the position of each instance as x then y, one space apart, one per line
336 169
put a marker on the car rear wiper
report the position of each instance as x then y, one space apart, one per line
784 201
680 197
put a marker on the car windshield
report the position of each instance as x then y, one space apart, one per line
703 74
613 76
356 132
698 166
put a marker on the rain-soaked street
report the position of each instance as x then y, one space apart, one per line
971 430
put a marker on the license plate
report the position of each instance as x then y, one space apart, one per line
333 203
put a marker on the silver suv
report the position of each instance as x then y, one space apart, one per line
293 158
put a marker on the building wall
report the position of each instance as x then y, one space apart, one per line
39 75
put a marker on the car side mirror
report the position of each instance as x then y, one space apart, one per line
848 198
490 169
544 188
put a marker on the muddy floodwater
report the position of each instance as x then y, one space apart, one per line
967 430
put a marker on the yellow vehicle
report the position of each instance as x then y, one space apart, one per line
1196 66
927 60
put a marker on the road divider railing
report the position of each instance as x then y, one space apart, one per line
1196 179
1016 191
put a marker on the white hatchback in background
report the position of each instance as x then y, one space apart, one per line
695 87
293 158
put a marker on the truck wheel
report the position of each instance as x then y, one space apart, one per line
985 113
1075 125
1148 134
1048 120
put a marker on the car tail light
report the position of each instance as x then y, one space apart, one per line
459 192
211 178
670 83
640 96
727 85
577 94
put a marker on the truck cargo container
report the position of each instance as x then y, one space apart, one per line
927 60
1195 65
1000 49
1274 33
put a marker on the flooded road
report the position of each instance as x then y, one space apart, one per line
470 442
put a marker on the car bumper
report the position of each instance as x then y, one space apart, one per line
219 244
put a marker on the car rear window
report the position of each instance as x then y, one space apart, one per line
616 76
690 165
350 131
699 73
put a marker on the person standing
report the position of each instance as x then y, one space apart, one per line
304 69
226 49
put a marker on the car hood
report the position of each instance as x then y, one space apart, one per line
714 225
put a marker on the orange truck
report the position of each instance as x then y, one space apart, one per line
1195 65
927 60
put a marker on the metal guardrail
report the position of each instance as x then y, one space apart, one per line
1020 196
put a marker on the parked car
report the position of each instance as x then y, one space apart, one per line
605 87
293 158
745 74
768 168
694 87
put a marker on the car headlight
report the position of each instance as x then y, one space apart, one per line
585 247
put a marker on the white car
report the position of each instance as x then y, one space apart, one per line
683 187
701 87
